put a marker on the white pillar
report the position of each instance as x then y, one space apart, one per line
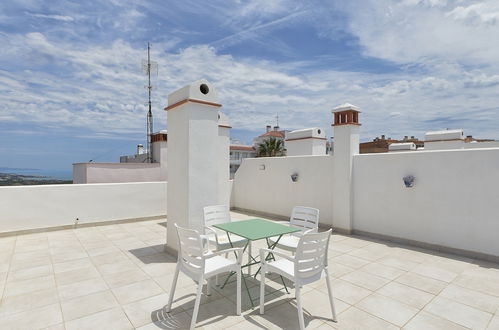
223 159
192 157
346 145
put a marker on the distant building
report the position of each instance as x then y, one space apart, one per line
237 153
276 133
381 144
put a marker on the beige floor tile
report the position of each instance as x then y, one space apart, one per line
110 319
458 313
346 291
72 265
136 291
422 282
89 304
28 301
26 286
166 281
28 273
350 261
387 309
82 288
427 321
434 272
371 254
494 324
33 319
118 267
30 263
109 258
482 301
68 256
340 247
78 275
356 319
337 269
185 297
406 294
152 309
317 304
365 280
219 314
479 282
126 277
399 263
382 270
168 321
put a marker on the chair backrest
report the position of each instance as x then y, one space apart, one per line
311 256
216 214
190 252
305 218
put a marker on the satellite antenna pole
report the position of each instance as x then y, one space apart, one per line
149 67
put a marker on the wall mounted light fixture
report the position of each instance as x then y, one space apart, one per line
409 181
262 167
294 177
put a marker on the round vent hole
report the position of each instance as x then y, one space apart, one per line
204 89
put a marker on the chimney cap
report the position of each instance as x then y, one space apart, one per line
346 107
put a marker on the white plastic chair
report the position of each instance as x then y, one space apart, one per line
215 215
304 218
200 265
218 214
307 266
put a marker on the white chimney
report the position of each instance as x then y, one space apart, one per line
269 128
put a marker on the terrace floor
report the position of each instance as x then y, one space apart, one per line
118 277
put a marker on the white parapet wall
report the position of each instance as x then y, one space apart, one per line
118 172
453 203
48 206
265 185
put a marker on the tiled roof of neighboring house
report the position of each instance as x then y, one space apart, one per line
279 134
244 148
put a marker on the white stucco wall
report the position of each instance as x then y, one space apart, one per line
44 206
454 201
118 172
272 190
306 146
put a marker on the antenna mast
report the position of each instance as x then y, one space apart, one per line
147 68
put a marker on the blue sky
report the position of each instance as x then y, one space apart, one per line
71 88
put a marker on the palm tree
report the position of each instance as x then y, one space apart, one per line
270 147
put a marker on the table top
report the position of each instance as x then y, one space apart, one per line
255 229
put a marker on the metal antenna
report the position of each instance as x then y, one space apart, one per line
149 67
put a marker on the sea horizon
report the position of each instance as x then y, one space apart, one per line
46 173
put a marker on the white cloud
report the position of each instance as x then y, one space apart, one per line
55 17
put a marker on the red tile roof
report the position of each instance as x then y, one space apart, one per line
279 134
243 148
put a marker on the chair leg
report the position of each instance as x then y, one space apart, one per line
238 293
196 304
298 303
216 280
172 291
208 287
330 293
249 257
262 289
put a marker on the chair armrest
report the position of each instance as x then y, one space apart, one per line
212 231
239 252
274 252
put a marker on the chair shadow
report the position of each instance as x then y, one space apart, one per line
153 254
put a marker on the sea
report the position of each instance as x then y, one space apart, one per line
49 174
